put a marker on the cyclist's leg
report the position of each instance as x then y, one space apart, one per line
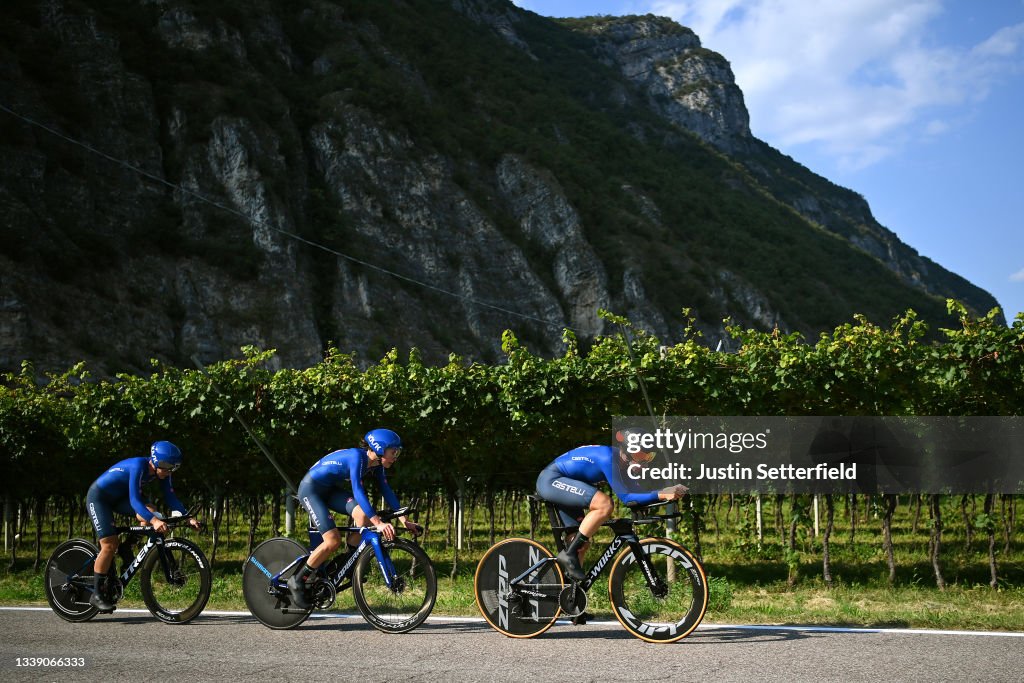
320 517
323 552
570 496
102 515
105 559
336 501
319 509
601 509
126 549
359 518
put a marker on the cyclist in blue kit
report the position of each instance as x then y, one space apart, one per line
570 483
119 489
335 483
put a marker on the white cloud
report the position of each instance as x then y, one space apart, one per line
857 79
1018 276
936 127
1004 43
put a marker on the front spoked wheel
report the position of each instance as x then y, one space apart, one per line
270 603
68 580
518 615
671 610
176 587
407 602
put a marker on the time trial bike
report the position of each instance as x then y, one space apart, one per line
174 575
393 582
657 588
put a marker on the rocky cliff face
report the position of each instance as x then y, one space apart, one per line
689 85
695 89
292 176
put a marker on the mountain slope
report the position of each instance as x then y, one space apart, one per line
468 146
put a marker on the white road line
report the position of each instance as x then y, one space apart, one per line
843 629
702 627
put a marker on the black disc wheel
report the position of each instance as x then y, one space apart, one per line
402 603
674 606
268 603
514 614
176 586
68 579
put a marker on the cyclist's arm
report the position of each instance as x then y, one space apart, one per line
359 493
135 493
392 500
644 498
639 498
172 500
385 490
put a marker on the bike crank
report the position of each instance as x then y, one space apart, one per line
572 600
324 594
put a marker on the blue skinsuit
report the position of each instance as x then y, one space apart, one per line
328 483
119 489
569 481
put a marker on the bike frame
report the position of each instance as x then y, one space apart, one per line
371 539
155 540
625 534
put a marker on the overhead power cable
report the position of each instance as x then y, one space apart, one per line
287 233
245 425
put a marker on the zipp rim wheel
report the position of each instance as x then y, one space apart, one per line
509 614
664 618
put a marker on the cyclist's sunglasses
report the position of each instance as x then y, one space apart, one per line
168 466
395 452
644 456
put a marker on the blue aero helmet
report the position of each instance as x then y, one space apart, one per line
379 440
165 455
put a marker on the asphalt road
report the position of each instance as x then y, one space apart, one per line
133 645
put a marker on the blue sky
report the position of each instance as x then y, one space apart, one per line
916 104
